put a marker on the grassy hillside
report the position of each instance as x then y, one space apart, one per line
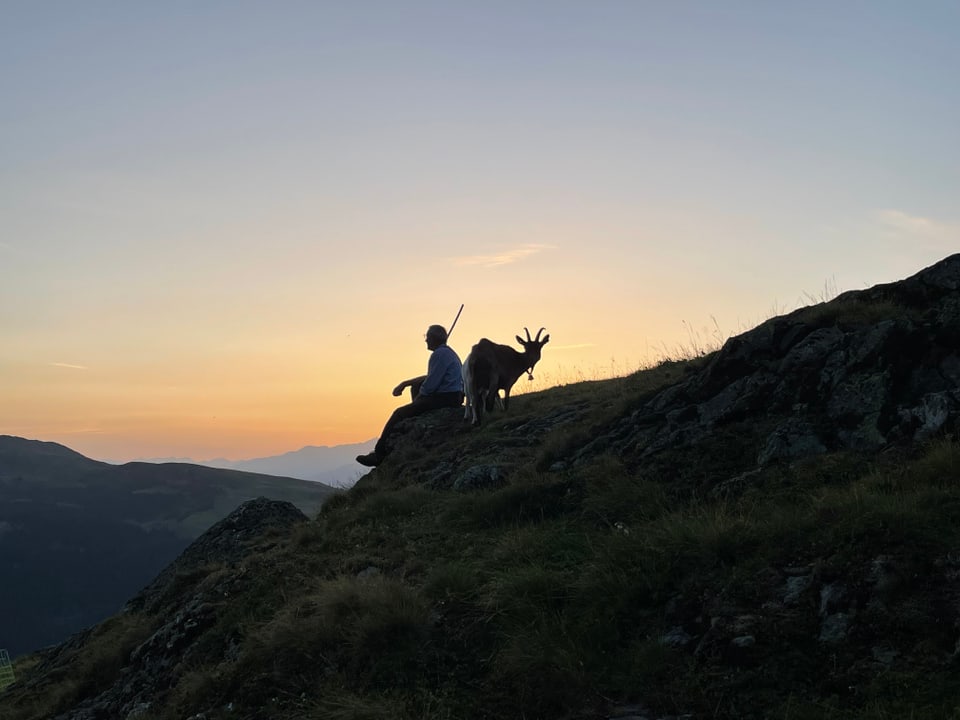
570 595
770 531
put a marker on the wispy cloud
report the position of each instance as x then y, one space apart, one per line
505 257
84 431
915 227
68 366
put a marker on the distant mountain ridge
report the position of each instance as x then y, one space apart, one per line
79 536
332 465
41 460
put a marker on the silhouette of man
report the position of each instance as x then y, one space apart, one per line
441 387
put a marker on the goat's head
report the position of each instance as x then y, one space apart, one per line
532 347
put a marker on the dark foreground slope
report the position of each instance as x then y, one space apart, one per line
78 537
772 531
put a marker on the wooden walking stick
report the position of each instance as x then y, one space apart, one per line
454 324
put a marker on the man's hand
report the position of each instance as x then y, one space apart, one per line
414 383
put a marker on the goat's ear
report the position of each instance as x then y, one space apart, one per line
521 340
545 340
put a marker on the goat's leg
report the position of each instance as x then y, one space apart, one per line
468 390
470 409
492 393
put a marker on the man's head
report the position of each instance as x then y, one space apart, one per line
436 336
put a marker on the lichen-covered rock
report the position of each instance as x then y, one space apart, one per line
834 628
480 477
676 637
224 543
794 438
871 368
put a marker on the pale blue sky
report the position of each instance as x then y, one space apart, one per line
203 200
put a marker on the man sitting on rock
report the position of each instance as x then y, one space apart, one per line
441 387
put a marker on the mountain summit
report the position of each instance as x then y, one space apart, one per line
768 531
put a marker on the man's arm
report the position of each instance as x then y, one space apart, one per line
414 385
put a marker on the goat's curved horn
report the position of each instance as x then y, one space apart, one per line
538 334
528 334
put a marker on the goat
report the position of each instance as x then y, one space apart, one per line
490 368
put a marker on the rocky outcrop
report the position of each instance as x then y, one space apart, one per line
225 543
886 612
869 369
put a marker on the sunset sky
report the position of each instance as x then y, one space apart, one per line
225 226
